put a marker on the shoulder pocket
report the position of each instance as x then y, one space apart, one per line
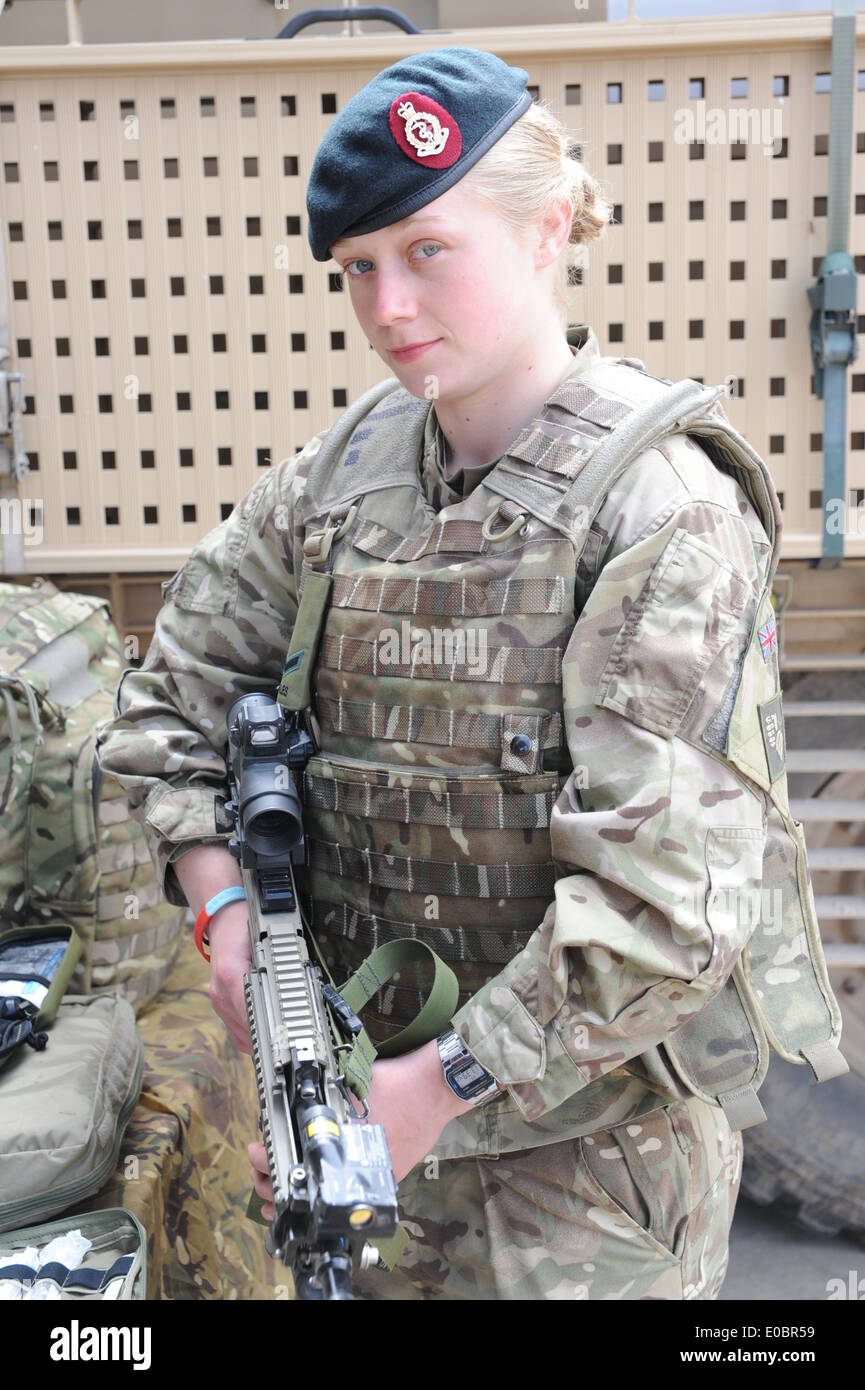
200 589
209 581
687 611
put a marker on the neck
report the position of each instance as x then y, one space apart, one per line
478 428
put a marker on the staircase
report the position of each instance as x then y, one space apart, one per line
809 1156
827 688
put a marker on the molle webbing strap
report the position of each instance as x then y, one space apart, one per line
550 452
650 410
678 406
295 690
576 397
112 906
454 659
115 853
452 599
443 538
423 724
563 449
490 944
141 943
433 876
418 806
141 984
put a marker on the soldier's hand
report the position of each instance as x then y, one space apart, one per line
411 1099
230 959
260 1174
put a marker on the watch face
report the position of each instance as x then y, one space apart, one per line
470 1080
468 1076
463 1072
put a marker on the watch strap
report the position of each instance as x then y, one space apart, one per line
455 1058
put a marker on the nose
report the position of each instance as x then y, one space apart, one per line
395 297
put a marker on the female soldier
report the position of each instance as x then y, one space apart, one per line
504 794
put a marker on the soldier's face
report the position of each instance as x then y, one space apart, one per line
455 279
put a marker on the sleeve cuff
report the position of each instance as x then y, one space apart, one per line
179 820
512 1046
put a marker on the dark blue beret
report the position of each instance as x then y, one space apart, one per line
407 137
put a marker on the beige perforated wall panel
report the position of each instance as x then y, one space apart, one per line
177 336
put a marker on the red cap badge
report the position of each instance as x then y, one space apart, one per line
425 131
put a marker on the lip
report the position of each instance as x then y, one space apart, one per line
407 354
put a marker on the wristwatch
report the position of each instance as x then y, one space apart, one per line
463 1072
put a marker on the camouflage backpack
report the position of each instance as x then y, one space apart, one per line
559 470
70 851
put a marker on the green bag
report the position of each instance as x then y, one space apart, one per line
64 1110
36 964
71 852
115 1265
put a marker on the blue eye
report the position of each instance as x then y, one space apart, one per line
357 275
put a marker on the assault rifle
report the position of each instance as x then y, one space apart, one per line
333 1185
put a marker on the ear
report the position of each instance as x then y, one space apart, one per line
553 230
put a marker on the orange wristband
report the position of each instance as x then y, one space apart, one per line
209 911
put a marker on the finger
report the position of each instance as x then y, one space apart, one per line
239 1038
261 1183
257 1154
236 1024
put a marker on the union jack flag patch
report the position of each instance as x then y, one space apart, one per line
768 639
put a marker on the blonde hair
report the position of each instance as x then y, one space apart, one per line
531 165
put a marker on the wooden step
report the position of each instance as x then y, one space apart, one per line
845 857
835 708
835 906
842 955
819 661
823 808
825 760
820 613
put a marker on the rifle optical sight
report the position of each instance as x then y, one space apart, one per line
262 749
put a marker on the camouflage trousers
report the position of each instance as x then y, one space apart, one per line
640 1211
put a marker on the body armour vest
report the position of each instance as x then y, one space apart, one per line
437 709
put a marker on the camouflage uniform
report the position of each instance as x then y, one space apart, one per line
599 1174
638 1211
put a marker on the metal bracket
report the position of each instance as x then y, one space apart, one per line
13 459
381 12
